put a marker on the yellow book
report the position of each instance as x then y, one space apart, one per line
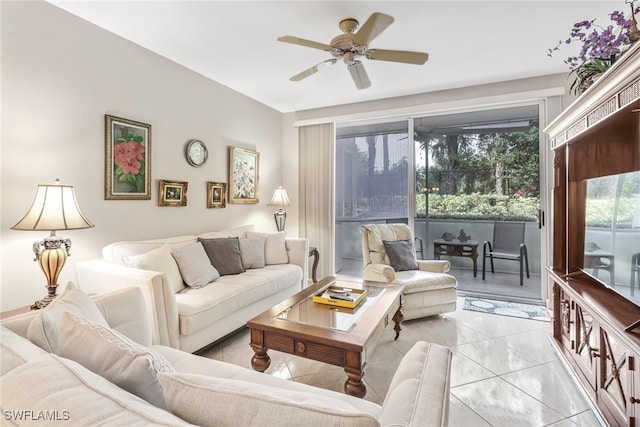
341 297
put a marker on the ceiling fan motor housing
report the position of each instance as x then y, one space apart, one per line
348 25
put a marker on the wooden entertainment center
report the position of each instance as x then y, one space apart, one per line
595 328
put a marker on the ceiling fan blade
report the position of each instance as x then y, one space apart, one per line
306 73
359 75
376 24
405 56
304 42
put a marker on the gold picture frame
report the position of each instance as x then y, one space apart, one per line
172 193
127 159
243 175
216 194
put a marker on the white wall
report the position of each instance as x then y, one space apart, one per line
60 76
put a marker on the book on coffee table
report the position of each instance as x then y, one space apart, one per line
340 296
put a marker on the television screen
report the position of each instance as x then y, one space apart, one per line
612 234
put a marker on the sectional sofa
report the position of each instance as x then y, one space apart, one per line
199 288
94 365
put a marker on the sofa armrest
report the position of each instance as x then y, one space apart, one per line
434 266
98 277
298 252
419 391
379 273
124 310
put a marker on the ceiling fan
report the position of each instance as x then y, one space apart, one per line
351 45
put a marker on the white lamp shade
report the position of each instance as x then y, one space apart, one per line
279 198
54 208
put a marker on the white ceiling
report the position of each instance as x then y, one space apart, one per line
234 42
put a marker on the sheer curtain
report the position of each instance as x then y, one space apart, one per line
317 211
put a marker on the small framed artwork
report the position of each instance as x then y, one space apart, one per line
243 175
216 194
172 193
128 159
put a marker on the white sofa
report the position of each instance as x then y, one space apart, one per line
107 371
190 318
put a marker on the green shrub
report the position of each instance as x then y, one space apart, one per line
478 206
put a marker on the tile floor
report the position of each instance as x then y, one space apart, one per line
505 371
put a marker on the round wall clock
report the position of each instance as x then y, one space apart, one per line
196 153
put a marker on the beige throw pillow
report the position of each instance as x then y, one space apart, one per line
221 402
115 357
44 329
275 248
195 266
160 260
252 252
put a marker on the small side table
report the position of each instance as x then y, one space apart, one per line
313 252
468 249
16 311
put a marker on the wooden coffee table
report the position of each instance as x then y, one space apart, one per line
340 336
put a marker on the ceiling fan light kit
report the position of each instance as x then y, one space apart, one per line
351 45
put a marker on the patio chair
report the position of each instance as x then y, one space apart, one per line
389 256
508 244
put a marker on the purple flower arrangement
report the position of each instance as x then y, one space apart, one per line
601 46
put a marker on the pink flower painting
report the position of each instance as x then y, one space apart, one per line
129 158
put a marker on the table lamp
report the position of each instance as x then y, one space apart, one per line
280 199
54 208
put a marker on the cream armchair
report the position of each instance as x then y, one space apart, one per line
389 256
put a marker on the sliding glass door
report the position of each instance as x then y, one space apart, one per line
451 177
372 170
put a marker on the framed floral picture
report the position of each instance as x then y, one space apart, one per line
172 193
216 194
128 159
243 175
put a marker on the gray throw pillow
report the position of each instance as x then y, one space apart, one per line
400 253
224 254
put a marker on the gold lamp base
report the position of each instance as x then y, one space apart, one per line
51 253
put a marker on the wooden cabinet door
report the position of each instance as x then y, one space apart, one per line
615 380
586 343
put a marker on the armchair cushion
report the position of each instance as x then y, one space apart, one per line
374 236
420 281
400 253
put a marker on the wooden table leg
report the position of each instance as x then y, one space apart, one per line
355 371
260 360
